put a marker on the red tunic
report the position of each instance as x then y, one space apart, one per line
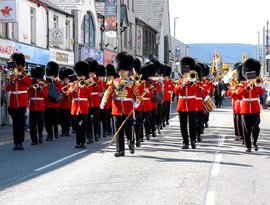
168 89
200 96
156 87
97 89
80 101
19 92
187 96
65 104
250 103
37 98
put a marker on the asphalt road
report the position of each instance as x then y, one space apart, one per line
219 171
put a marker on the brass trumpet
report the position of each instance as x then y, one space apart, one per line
192 76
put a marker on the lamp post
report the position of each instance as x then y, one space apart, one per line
118 15
174 28
174 33
259 47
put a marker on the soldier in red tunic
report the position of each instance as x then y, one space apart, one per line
18 85
168 90
250 105
38 91
187 89
80 91
65 105
123 89
94 103
51 112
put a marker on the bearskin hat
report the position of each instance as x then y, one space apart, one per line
101 70
38 72
19 58
158 66
52 68
239 75
151 68
205 70
250 65
188 62
198 69
82 68
93 64
168 71
144 73
123 61
110 70
65 73
137 65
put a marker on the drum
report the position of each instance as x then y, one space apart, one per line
209 104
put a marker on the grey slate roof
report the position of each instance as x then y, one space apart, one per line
68 5
100 8
151 12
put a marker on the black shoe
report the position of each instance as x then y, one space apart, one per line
20 147
138 144
163 124
202 132
34 143
62 135
141 140
119 154
185 146
206 125
15 147
90 141
56 136
255 147
148 136
96 138
248 149
199 139
73 131
167 122
49 139
40 140
131 150
77 146
160 128
193 145
104 134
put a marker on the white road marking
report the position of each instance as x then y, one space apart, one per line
216 166
58 161
210 198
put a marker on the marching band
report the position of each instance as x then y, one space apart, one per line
128 99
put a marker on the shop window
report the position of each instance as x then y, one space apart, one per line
55 21
33 25
3 30
88 32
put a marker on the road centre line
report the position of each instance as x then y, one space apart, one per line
58 161
210 198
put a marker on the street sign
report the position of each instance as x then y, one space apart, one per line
8 12
57 36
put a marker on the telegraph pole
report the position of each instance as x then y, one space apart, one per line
263 53
267 50
118 15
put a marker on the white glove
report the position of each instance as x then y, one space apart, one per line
102 104
136 105
146 90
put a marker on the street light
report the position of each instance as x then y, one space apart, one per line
174 29
258 51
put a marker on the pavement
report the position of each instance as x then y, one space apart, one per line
219 171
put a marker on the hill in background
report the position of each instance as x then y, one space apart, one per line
230 53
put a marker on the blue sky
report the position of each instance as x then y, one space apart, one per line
219 21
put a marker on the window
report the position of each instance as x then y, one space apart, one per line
55 21
3 30
88 32
33 25
132 5
128 4
68 34
130 36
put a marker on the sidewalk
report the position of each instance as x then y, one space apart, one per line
6 134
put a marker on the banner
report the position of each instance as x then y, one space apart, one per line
8 12
109 57
110 18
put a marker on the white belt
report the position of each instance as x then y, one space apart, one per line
238 100
124 99
80 99
186 97
146 99
199 98
18 92
37 98
94 93
250 99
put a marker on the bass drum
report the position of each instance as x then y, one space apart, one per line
209 104
54 94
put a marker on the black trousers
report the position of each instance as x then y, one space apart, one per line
95 112
36 120
138 125
104 120
110 126
239 125
160 114
65 120
126 130
153 119
206 117
167 110
184 118
18 120
200 122
80 122
251 124
51 116
146 117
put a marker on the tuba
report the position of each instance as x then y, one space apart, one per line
192 76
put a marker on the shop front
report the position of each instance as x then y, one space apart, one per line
87 52
62 57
